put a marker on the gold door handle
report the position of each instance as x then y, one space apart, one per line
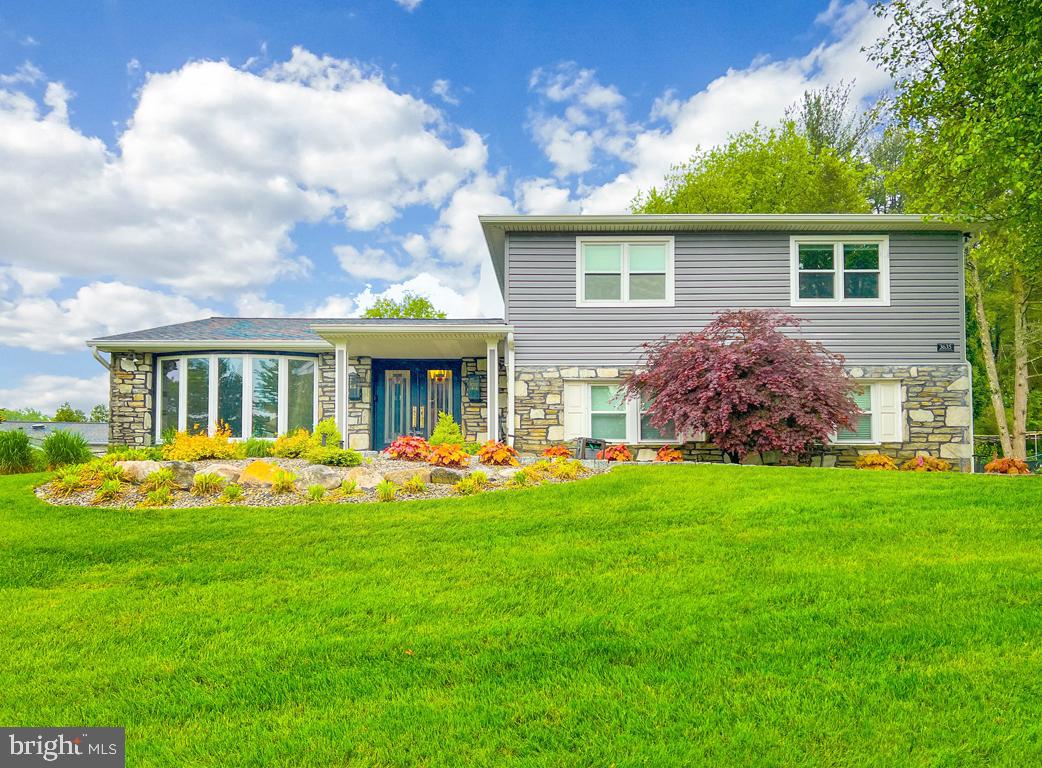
413 421
423 411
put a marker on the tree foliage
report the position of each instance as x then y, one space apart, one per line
748 385
411 305
66 412
99 413
761 171
827 119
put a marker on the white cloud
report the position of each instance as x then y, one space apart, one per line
31 282
256 305
216 167
333 306
544 196
46 392
409 5
368 263
443 90
44 324
26 74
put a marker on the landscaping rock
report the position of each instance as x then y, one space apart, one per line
446 476
505 473
227 472
258 473
184 473
318 474
137 471
401 476
646 454
364 477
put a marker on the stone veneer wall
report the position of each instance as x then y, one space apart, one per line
359 413
473 414
935 404
130 398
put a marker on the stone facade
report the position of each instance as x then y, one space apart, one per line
936 408
130 398
473 415
358 412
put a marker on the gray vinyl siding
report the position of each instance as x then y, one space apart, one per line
729 270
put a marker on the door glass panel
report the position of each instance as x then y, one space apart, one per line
439 396
198 395
396 412
168 408
265 396
229 393
301 395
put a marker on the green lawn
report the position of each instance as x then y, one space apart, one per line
672 615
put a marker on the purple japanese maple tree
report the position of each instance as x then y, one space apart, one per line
747 385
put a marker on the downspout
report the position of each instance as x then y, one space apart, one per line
106 364
510 389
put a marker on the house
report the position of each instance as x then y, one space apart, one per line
96 433
581 295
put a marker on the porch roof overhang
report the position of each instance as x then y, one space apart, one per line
421 341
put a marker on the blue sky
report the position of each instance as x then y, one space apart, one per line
161 162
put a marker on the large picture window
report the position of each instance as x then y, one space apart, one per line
634 271
844 271
254 395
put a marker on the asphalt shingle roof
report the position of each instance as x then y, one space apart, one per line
267 328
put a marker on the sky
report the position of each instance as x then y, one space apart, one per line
163 162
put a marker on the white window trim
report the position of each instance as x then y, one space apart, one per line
877 414
837 241
632 411
213 386
625 301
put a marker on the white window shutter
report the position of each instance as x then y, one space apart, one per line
574 400
888 407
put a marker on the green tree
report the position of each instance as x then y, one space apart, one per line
969 100
827 119
411 305
762 171
66 412
99 413
22 414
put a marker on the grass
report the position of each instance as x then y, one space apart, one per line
661 616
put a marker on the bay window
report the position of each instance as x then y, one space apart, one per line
851 270
253 395
627 271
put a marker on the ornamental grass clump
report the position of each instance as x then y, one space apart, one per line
160 497
469 486
408 448
876 461
232 493
256 448
161 478
283 481
316 493
349 488
414 485
15 452
926 464
109 490
497 454
386 490
62 448
567 469
68 483
207 484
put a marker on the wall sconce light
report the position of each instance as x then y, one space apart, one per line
354 386
474 387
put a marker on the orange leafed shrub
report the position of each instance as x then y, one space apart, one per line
186 447
876 461
1007 467
668 453
557 452
409 448
497 454
448 455
615 453
926 464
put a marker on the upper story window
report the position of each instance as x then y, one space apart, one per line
852 270
630 271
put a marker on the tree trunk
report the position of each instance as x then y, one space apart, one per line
984 333
1020 365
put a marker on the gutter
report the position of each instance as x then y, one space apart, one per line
106 364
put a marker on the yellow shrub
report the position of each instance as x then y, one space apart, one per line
293 445
926 464
186 447
875 461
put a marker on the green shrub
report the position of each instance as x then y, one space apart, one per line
160 497
231 493
333 456
284 482
348 488
161 478
38 459
414 484
479 477
316 492
109 490
386 490
15 453
67 484
207 484
257 448
326 428
446 431
292 446
126 453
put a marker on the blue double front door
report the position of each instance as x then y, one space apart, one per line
408 395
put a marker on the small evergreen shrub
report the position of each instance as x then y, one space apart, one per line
232 493
15 452
332 456
257 448
327 428
446 431
292 446
386 490
207 484
316 492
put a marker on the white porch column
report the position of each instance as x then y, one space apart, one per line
340 400
511 428
492 376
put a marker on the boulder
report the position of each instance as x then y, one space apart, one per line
646 454
401 476
137 471
227 472
364 477
184 473
317 474
445 476
505 473
258 473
